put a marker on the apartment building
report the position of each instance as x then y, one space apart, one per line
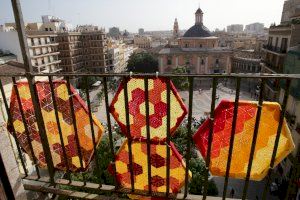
281 38
83 51
143 42
291 65
43 49
119 54
235 28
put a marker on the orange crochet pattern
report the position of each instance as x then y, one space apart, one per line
158 167
157 108
243 139
65 120
158 133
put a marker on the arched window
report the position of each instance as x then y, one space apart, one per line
169 61
202 62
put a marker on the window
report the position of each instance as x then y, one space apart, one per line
270 41
186 45
202 62
283 47
169 61
187 61
200 45
276 43
217 61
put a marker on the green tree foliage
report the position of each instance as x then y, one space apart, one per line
83 84
197 164
181 83
142 63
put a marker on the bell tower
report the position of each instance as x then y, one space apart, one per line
176 29
199 16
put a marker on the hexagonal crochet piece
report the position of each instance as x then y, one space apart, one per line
66 122
243 139
157 108
158 167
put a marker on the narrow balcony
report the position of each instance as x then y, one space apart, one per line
138 135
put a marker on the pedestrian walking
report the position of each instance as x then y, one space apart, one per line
232 193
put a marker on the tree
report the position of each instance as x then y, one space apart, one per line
142 63
197 164
181 83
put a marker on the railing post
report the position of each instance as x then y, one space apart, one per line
5 181
31 82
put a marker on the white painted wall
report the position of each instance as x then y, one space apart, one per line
9 42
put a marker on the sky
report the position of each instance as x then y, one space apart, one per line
148 14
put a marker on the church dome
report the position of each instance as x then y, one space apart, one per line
198 30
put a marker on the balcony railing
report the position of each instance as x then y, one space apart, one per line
48 176
274 49
56 181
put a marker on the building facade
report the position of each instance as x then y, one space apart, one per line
255 28
83 51
291 66
281 38
198 51
143 42
247 61
114 32
235 28
141 31
119 54
43 50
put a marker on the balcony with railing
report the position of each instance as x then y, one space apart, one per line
150 147
278 50
138 136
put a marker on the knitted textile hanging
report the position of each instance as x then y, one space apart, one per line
158 160
157 90
157 108
65 120
243 139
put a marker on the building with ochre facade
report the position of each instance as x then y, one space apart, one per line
197 50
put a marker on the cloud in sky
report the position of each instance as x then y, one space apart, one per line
149 14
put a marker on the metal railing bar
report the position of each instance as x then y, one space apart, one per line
281 120
189 135
168 136
293 177
13 128
210 136
59 127
111 143
168 75
75 125
255 134
234 120
99 171
20 26
5 184
26 127
146 84
129 134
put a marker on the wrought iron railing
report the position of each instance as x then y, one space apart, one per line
54 180
64 184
